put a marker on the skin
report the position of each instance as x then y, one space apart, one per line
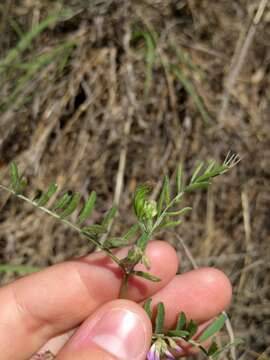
43 310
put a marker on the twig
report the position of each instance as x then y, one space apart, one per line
239 58
247 228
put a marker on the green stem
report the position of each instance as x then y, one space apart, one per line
124 286
70 224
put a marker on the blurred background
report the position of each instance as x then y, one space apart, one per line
106 95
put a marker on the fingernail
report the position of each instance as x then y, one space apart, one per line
119 331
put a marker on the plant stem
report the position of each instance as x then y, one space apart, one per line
124 286
70 224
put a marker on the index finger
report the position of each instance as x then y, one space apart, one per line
43 305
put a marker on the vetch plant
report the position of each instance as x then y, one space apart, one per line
151 217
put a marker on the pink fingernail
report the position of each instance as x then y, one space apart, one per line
119 331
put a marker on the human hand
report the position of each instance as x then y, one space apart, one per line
71 309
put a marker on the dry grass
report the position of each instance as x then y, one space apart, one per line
119 92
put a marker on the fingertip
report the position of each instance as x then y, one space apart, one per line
202 294
120 328
164 252
216 280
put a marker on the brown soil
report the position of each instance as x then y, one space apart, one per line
94 120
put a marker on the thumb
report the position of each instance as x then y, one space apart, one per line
119 330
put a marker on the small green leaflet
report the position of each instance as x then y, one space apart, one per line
62 202
88 208
213 328
147 307
159 323
181 321
113 243
146 275
167 190
116 242
180 212
179 179
139 200
45 197
164 197
178 333
196 186
131 232
168 224
23 184
72 205
192 328
18 184
196 173
213 348
146 262
94 229
14 174
109 216
215 171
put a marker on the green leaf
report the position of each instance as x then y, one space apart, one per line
168 224
211 165
196 173
196 186
164 197
218 170
146 262
159 318
72 205
113 243
213 328
45 197
178 197
142 241
146 275
23 184
131 232
179 179
116 242
14 174
62 202
178 333
18 184
167 190
147 307
109 216
179 212
192 328
94 229
213 348
139 200
88 208
181 321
